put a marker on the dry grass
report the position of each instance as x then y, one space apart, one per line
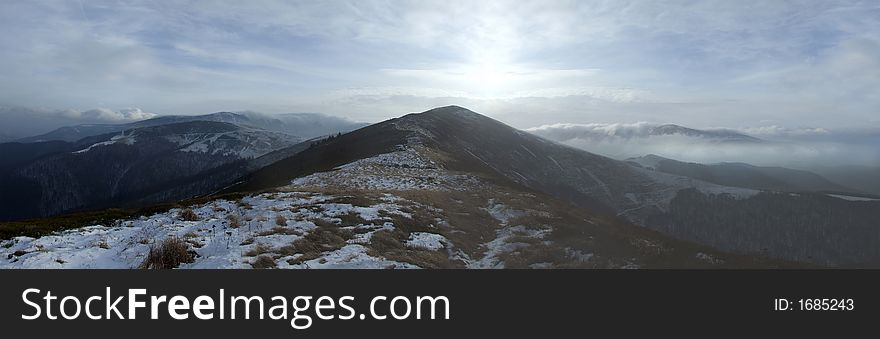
260 249
323 223
187 214
528 255
169 254
352 219
361 199
321 239
460 209
279 230
390 246
264 262
234 221
38 227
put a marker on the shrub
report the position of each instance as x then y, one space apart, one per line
187 214
169 254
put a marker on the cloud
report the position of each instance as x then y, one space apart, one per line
123 115
706 63
104 115
20 122
567 131
792 147
774 131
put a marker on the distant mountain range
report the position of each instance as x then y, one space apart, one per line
156 160
865 178
743 175
599 132
303 125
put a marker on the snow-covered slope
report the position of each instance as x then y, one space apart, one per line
402 209
215 242
405 169
207 137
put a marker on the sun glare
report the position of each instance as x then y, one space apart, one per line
488 79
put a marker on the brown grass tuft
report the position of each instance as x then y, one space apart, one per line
169 254
321 239
389 245
234 221
260 249
264 262
187 214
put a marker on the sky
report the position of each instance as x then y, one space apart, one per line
747 65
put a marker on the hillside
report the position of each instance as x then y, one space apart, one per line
477 144
743 175
142 165
400 209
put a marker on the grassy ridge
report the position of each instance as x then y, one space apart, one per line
44 226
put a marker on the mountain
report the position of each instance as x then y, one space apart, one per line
14 153
863 178
74 133
404 193
313 125
451 188
303 125
805 227
602 132
743 175
139 165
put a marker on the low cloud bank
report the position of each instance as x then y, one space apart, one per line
778 146
20 122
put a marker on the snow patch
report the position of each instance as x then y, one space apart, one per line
852 198
428 241
406 169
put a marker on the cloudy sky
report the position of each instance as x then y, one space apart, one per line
736 64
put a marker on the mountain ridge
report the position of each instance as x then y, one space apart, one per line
304 125
744 175
474 143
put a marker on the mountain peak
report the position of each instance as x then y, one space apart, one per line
452 110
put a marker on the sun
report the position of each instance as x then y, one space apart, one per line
488 78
